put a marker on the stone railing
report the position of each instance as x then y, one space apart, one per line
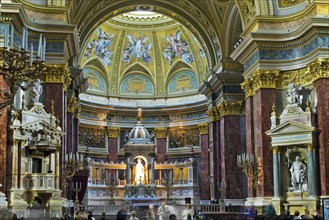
40 181
211 210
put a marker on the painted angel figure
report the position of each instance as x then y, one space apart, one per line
104 40
137 44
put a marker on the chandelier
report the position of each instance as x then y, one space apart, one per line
17 65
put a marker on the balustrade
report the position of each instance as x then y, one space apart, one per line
40 181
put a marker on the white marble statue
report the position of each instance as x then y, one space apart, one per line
36 91
139 178
293 96
298 174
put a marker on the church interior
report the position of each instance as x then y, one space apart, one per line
218 104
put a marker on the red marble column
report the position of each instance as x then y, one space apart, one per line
322 93
113 134
250 137
161 141
3 140
3 147
113 149
214 158
204 145
263 101
55 92
230 147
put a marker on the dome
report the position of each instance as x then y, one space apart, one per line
144 56
139 135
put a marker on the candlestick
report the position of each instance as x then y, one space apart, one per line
31 54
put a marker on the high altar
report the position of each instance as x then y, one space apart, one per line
140 180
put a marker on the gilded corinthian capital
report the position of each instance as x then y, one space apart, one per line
161 132
58 73
113 132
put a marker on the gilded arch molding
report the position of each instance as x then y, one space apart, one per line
185 12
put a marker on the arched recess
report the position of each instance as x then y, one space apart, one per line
139 68
136 84
199 25
95 79
185 82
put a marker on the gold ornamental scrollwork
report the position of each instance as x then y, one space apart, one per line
161 132
74 107
265 79
203 128
113 132
57 74
317 69
275 149
227 108
248 88
213 114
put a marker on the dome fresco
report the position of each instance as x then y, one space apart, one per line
141 61
95 80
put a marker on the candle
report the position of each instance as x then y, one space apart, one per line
12 37
5 35
23 38
31 54
44 48
26 40
40 45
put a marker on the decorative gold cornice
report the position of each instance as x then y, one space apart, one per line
227 108
57 74
113 132
203 128
74 107
161 132
275 149
289 3
213 114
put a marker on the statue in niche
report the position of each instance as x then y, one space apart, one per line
293 96
139 177
298 174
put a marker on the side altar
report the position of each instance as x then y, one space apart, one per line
294 156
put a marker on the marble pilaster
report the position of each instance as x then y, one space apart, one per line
250 138
3 148
204 139
113 140
322 93
161 141
263 101
230 146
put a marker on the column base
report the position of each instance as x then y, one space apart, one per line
259 203
301 202
56 205
17 203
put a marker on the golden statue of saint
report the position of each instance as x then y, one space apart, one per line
139 114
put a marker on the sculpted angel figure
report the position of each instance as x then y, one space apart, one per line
293 94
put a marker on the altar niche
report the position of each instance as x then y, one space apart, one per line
294 156
140 171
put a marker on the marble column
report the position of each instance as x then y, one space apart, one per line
113 134
128 169
263 101
214 164
322 93
250 138
310 171
152 155
161 141
56 80
230 147
3 146
204 139
276 172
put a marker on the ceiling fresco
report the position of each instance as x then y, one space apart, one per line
140 61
